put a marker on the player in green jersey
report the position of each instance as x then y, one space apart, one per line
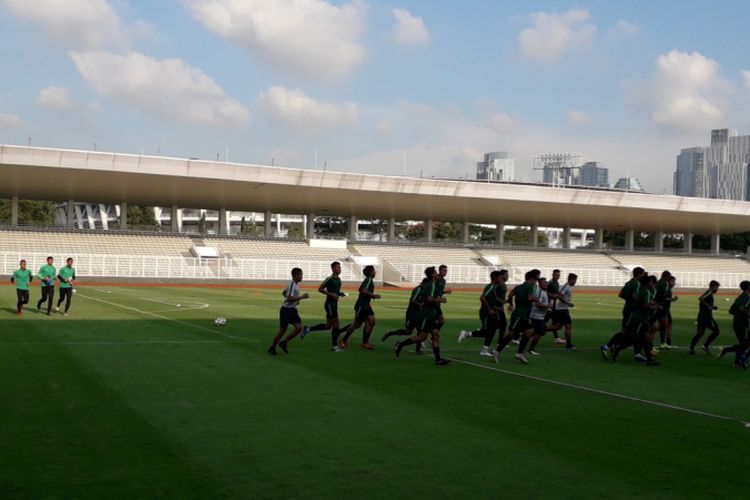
441 290
491 314
414 314
553 290
331 288
47 275
523 297
706 319
664 299
66 276
627 293
363 313
740 311
21 278
429 325
639 327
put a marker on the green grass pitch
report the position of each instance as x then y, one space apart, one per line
132 396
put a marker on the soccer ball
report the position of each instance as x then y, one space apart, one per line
220 321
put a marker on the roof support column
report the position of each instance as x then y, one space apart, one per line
14 211
629 240
599 238
267 227
352 227
499 234
687 242
659 241
715 244
428 230
310 226
223 222
391 229
566 237
175 219
70 221
465 232
123 216
534 235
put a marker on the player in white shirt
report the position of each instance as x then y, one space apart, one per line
288 314
561 315
538 314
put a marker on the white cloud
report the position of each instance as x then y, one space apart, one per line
167 88
312 38
83 24
409 29
55 98
623 28
9 121
746 76
553 34
577 117
686 92
294 109
502 122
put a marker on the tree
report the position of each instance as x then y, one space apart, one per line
141 217
296 230
330 226
202 226
30 212
446 231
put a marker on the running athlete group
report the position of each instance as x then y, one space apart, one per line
47 276
536 306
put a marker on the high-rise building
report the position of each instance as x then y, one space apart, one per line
560 169
691 174
496 167
629 184
718 171
594 173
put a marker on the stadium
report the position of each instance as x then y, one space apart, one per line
138 392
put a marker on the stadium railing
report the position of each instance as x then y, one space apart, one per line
165 267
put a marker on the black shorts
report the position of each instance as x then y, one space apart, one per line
562 317
638 327
23 295
439 309
502 323
289 316
490 322
332 309
362 313
741 330
519 324
539 326
708 322
429 325
665 316
412 323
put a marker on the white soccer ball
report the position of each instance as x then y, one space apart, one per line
220 321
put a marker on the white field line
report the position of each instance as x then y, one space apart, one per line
601 392
155 315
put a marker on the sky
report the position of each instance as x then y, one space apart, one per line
424 87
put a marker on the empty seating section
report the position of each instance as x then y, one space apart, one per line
293 253
159 256
691 270
592 268
79 243
464 264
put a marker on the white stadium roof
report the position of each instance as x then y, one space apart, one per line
58 174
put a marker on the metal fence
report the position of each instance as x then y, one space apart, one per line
163 267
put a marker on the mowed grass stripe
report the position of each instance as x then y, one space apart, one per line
365 425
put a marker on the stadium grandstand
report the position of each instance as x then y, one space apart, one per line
96 233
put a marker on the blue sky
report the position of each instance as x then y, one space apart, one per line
367 84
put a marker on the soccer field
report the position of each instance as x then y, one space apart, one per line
137 395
